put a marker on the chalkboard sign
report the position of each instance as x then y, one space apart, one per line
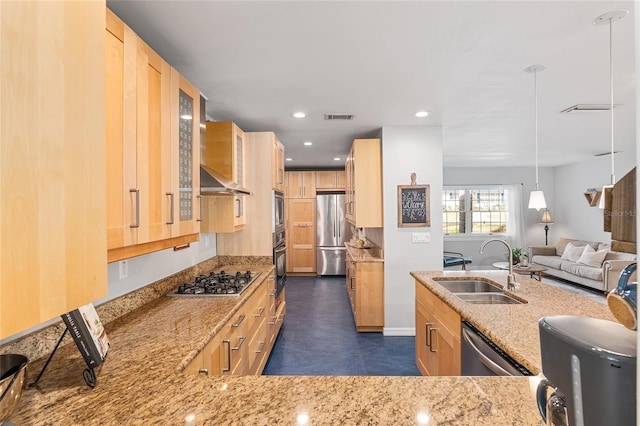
413 205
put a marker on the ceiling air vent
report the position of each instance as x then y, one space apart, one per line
334 117
586 108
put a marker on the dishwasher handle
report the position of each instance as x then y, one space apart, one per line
482 357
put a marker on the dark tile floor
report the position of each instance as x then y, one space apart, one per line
319 337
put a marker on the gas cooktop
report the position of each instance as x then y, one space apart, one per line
217 284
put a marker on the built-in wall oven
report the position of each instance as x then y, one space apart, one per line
279 243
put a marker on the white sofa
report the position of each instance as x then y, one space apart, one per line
597 267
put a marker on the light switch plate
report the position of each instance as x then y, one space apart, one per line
420 237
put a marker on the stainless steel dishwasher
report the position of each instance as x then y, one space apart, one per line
482 357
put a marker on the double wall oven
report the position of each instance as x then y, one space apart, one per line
279 243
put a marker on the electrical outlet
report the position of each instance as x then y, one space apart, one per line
420 237
124 269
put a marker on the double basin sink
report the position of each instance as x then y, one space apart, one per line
479 292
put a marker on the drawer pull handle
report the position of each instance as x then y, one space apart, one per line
259 314
240 319
203 371
259 351
427 327
241 339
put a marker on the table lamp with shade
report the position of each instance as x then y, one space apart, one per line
546 220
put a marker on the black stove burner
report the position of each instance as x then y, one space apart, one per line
218 284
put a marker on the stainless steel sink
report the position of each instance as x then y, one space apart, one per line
469 286
489 298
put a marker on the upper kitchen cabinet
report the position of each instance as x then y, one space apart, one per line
224 150
330 180
301 184
153 150
53 198
256 239
184 196
363 195
224 155
277 158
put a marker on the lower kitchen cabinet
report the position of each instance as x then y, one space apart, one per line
365 285
244 343
438 349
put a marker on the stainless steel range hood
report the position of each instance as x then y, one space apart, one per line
212 183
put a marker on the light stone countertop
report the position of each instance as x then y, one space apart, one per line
141 383
373 254
515 327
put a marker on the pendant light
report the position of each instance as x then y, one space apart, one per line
536 198
608 18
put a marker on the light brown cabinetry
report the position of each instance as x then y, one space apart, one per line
365 285
256 239
330 180
225 154
301 235
277 158
363 194
244 343
52 173
301 184
153 150
438 349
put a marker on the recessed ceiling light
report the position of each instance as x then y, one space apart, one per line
299 114
336 159
421 114
308 143
289 159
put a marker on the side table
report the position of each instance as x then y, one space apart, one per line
531 269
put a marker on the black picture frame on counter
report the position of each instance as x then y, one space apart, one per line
414 205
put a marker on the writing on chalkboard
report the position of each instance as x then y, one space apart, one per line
413 205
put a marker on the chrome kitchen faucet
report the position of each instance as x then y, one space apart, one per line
511 279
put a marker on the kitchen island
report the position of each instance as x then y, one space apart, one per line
142 380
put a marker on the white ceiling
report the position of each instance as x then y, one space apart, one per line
259 61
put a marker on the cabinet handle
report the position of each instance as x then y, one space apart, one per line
239 208
259 351
170 194
275 319
433 349
137 192
199 197
240 319
203 371
351 282
259 314
241 339
280 176
228 368
427 330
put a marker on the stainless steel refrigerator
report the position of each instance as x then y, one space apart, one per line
332 230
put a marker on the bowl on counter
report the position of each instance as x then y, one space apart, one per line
12 379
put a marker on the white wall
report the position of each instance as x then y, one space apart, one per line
573 217
406 150
148 268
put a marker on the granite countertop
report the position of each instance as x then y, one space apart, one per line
373 254
141 382
515 327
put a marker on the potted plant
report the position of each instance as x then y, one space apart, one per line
516 255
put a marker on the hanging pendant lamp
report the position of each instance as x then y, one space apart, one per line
608 18
536 198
